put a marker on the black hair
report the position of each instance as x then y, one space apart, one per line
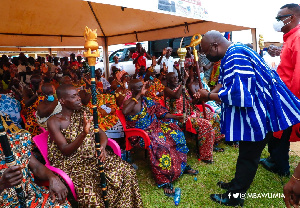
61 90
293 7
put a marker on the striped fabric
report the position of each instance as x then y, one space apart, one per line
255 101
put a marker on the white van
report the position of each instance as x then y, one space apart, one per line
124 60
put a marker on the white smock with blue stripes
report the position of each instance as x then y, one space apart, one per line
255 101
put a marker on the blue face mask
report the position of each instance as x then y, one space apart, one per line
50 98
151 78
201 75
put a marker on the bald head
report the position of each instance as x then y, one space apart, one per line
170 75
213 36
214 45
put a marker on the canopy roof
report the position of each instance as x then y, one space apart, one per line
62 23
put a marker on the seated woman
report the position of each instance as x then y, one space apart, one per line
208 129
48 107
32 98
156 88
119 88
167 150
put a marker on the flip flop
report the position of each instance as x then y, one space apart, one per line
187 171
218 149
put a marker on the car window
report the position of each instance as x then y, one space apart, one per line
118 53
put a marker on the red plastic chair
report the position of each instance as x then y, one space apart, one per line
132 132
41 142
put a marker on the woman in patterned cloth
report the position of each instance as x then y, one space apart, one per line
31 100
26 171
167 150
208 129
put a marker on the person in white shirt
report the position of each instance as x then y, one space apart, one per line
271 59
167 59
116 64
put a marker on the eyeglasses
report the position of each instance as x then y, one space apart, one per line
278 18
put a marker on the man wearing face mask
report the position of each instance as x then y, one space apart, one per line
255 103
288 19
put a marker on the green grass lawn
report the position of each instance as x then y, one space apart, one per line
196 193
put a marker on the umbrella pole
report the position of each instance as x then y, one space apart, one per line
181 53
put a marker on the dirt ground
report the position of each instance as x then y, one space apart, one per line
295 148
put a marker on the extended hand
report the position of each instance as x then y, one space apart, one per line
86 123
57 189
102 156
154 61
291 192
144 89
201 94
11 177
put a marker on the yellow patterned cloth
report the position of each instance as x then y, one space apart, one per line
107 122
155 87
82 168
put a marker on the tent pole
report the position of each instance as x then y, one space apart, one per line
254 39
105 58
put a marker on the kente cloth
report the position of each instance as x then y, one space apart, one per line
31 124
155 87
208 130
255 100
215 73
167 150
35 195
107 122
82 168
11 107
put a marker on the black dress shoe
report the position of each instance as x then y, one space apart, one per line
224 185
227 199
272 167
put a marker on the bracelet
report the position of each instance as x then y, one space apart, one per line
208 95
135 100
295 178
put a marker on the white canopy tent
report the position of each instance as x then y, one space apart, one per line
62 23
